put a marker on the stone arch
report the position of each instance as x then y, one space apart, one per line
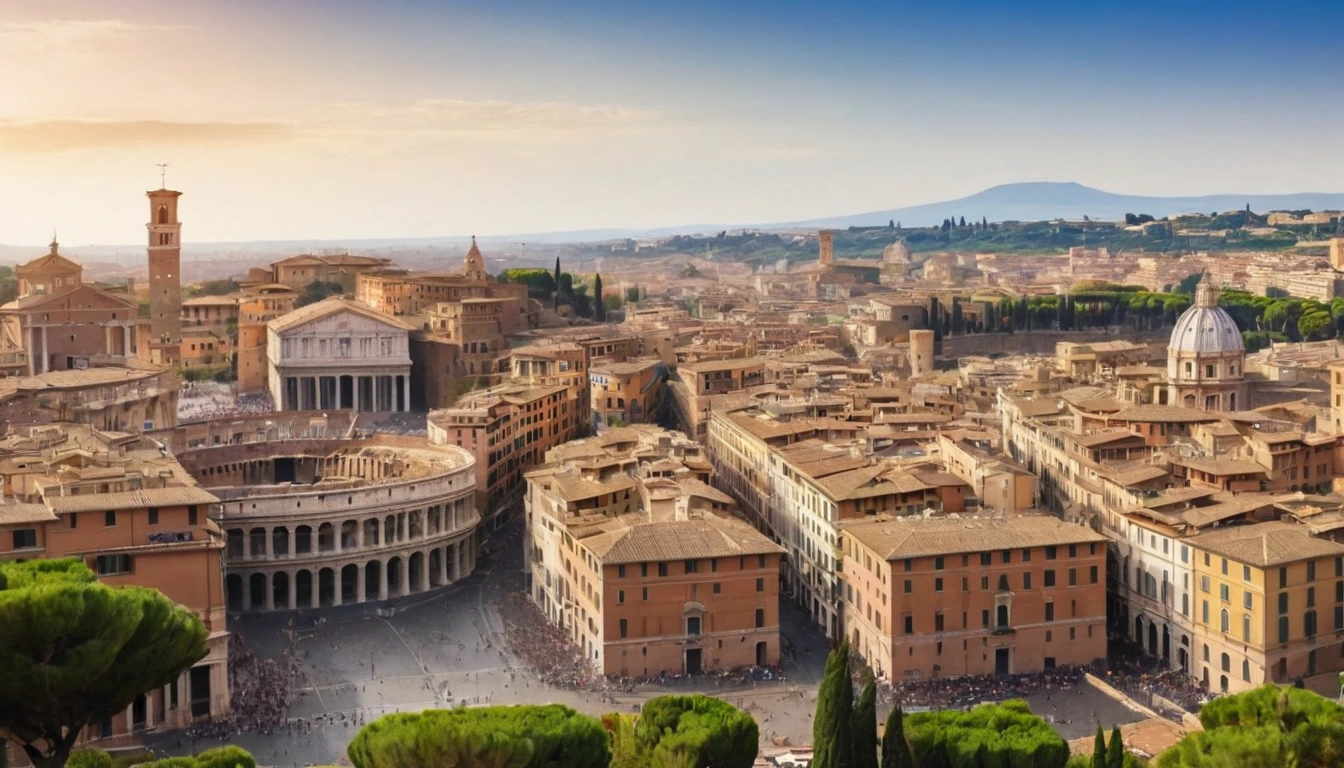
389 529
303 588
280 587
349 534
280 541
303 540
326 586
1189 400
233 588
415 570
395 581
326 538
415 524
256 542
371 529
435 567
349 583
373 579
235 546
256 591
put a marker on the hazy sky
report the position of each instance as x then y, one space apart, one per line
334 118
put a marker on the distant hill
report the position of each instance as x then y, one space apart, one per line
1043 200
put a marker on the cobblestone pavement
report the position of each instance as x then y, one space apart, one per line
355 663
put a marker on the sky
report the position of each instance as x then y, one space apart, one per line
332 119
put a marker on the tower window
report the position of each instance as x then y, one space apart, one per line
163 214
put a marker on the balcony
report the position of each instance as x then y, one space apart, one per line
1002 631
170 537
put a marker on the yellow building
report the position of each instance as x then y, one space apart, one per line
1270 608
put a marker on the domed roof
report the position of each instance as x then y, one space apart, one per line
1206 328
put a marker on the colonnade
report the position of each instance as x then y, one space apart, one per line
387 393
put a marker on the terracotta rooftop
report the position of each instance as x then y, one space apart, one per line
1266 544
902 537
680 540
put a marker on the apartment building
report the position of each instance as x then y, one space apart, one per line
698 383
629 392
640 562
950 596
135 517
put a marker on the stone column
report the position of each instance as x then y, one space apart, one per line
46 352
424 572
315 599
32 351
107 339
268 601
270 543
457 560
126 335
336 587
359 538
359 392
443 564
406 392
382 583
293 590
247 593
360 581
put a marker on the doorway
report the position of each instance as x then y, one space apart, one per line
693 661
760 654
1001 661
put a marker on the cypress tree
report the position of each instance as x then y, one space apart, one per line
1099 749
865 725
895 749
1115 751
833 724
599 309
557 283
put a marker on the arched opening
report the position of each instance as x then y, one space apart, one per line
1222 683
762 657
1138 630
416 569
280 589
435 565
280 541
394 580
1166 643
1189 401
233 585
416 526
1152 639
163 214
1210 402
303 588
235 543
256 590
1231 401
349 534
350 583
326 586
303 540
371 532
256 542
373 579
389 529
326 538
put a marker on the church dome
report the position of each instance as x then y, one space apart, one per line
1206 328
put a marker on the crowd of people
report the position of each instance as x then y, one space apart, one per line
260 688
1143 677
965 692
210 400
542 646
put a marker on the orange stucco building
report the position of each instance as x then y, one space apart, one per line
952 596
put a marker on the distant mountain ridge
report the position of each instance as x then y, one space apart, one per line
1044 200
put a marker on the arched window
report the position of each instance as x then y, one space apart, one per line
1222 621
1208 371
1227 663
1246 627
1231 401
1246 670
163 214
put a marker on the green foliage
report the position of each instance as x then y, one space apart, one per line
90 648
1099 749
625 751
690 271
865 725
540 282
833 724
89 758
1115 750
895 747
989 735
1268 726
225 757
173 762
697 730
222 287
550 736
128 759
317 291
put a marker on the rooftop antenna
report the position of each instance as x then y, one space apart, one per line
163 175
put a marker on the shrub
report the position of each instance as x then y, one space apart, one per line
1006 734
89 758
551 736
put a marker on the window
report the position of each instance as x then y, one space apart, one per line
760 585
111 565
1204 611
909 586
1092 575
938 585
908 624
644 569
1245 573
1224 566
153 516
938 621
1203 583
1224 593
984 583
693 626
1049 578
1283 629
620 597
691 566
1311 597
1073 577
717 587
1223 621
1309 624
25 539
1247 601
714 565
662 569
984 558
1073 550
1003 582
1026 580
760 618
1007 556
623 627
645 595
938 563
110 518
909 565
1050 553
760 561
984 618
620 571
1283 602
74 520
1283 577
1311 570
1050 611
1185 554
1026 555
1245 627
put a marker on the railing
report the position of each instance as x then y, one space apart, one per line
170 537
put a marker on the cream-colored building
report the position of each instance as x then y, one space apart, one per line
1206 360
340 355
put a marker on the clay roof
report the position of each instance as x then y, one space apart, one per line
680 540
17 513
1106 437
1163 413
148 497
1222 466
733 363
1266 544
902 537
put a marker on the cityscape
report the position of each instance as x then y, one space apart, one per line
1045 474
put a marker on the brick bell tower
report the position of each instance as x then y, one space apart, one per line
165 267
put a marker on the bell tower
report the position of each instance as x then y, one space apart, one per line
165 267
